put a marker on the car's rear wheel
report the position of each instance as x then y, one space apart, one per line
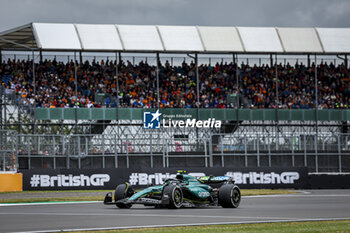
175 196
229 196
123 191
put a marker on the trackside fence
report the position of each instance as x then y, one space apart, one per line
322 153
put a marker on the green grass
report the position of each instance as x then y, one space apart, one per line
87 197
287 227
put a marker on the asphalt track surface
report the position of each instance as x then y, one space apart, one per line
306 206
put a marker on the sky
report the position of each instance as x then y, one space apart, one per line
254 13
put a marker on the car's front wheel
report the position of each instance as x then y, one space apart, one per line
123 191
175 196
229 196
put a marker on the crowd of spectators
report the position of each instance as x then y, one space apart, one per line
55 85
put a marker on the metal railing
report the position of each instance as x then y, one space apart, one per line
322 153
174 59
8 151
324 115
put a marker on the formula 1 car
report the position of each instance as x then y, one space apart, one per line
184 191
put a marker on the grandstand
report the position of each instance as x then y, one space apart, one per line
75 114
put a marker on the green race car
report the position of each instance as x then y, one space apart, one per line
184 191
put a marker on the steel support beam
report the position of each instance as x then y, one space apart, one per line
238 90
80 57
157 72
316 114
271 60
75 76
197 76
117 59
346 62
277 103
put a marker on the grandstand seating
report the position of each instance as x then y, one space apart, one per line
96 86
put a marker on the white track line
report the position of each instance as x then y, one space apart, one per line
151 215
50 203
243 197
305 192
182 225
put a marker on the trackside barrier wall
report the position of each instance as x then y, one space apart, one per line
329 181
75 179
10 182
70 179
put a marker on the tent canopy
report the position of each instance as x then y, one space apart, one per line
224 39
140 38
22 35
300 40
260 39
56 36
180 38
335 40
175 39
98 37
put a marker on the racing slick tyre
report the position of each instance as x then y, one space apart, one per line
175 196
123 191
229 196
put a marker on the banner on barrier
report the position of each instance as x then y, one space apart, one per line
10 182
70 179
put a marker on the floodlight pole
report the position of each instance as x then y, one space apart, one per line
157 72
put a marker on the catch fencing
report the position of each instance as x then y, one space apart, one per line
319 153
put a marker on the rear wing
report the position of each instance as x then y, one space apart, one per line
216 179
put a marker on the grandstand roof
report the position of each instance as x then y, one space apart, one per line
176 39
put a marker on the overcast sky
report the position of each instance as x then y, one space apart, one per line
319 13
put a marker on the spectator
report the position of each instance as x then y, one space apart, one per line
55 86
